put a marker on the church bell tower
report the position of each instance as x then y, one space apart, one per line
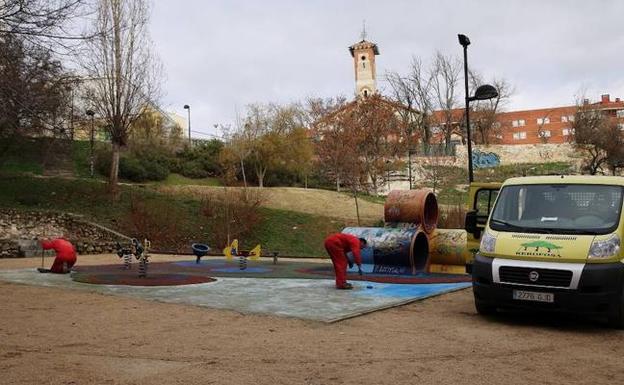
363 54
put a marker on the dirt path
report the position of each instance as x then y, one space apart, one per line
56 336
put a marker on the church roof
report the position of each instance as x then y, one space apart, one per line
364 44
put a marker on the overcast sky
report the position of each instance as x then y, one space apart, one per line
220 55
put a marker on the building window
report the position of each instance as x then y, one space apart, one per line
543 121
518 123
544 134
519 135
621 126
567 131
564 119
496 125
619 113
570 118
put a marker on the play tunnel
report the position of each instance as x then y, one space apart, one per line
393 250
410 243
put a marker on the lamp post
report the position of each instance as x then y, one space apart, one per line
187 107
483 92
91 114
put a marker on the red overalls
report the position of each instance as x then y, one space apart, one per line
337 245
65 255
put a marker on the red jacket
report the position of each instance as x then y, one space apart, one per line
64 249
346 242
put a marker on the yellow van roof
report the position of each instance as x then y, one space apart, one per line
567 179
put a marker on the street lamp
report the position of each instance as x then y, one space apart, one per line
187 107
483 92
91 140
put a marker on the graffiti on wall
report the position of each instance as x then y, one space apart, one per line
482 159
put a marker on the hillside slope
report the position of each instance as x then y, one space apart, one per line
310 201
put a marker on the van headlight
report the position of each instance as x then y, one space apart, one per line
488 243
605 248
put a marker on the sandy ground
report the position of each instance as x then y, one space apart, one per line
56 336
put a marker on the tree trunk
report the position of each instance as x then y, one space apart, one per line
114 170
260 173
357 207
243 172
337 183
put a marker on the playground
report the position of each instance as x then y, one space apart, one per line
140 318
58 335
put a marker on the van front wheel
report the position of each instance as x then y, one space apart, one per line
484 309
616 316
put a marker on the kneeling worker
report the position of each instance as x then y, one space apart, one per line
337 245
65 255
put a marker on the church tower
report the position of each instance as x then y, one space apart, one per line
363 54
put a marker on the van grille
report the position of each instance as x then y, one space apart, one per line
525 236
547 277
561 238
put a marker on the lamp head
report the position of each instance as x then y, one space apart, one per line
463 40
187 107
485 92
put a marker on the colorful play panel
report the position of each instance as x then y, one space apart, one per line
293 289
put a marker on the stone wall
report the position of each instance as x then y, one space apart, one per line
20 232
505 154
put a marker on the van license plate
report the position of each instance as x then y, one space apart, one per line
533 296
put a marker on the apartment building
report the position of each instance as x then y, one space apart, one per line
551 125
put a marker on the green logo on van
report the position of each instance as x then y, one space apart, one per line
539 249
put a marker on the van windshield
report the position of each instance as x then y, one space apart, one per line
558 208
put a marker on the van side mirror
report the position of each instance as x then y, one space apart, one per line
471 224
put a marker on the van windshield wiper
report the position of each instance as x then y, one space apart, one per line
507 224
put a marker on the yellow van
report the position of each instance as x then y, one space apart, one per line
552 243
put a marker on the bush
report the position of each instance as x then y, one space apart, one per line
232 215
154 170
134 167
155 220
193 169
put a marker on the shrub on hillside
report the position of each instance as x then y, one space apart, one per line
193 169
232 215
155 220
133 168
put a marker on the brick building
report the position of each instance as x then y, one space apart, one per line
545 125
551 125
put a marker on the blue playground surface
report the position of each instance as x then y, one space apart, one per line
311 298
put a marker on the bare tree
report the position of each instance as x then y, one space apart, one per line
598 137
123 72
485 123
415 92
445 77
35 94
39 19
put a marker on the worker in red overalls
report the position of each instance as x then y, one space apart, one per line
337 246
65 255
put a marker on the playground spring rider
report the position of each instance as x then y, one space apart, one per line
143 257
140 253
125 254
